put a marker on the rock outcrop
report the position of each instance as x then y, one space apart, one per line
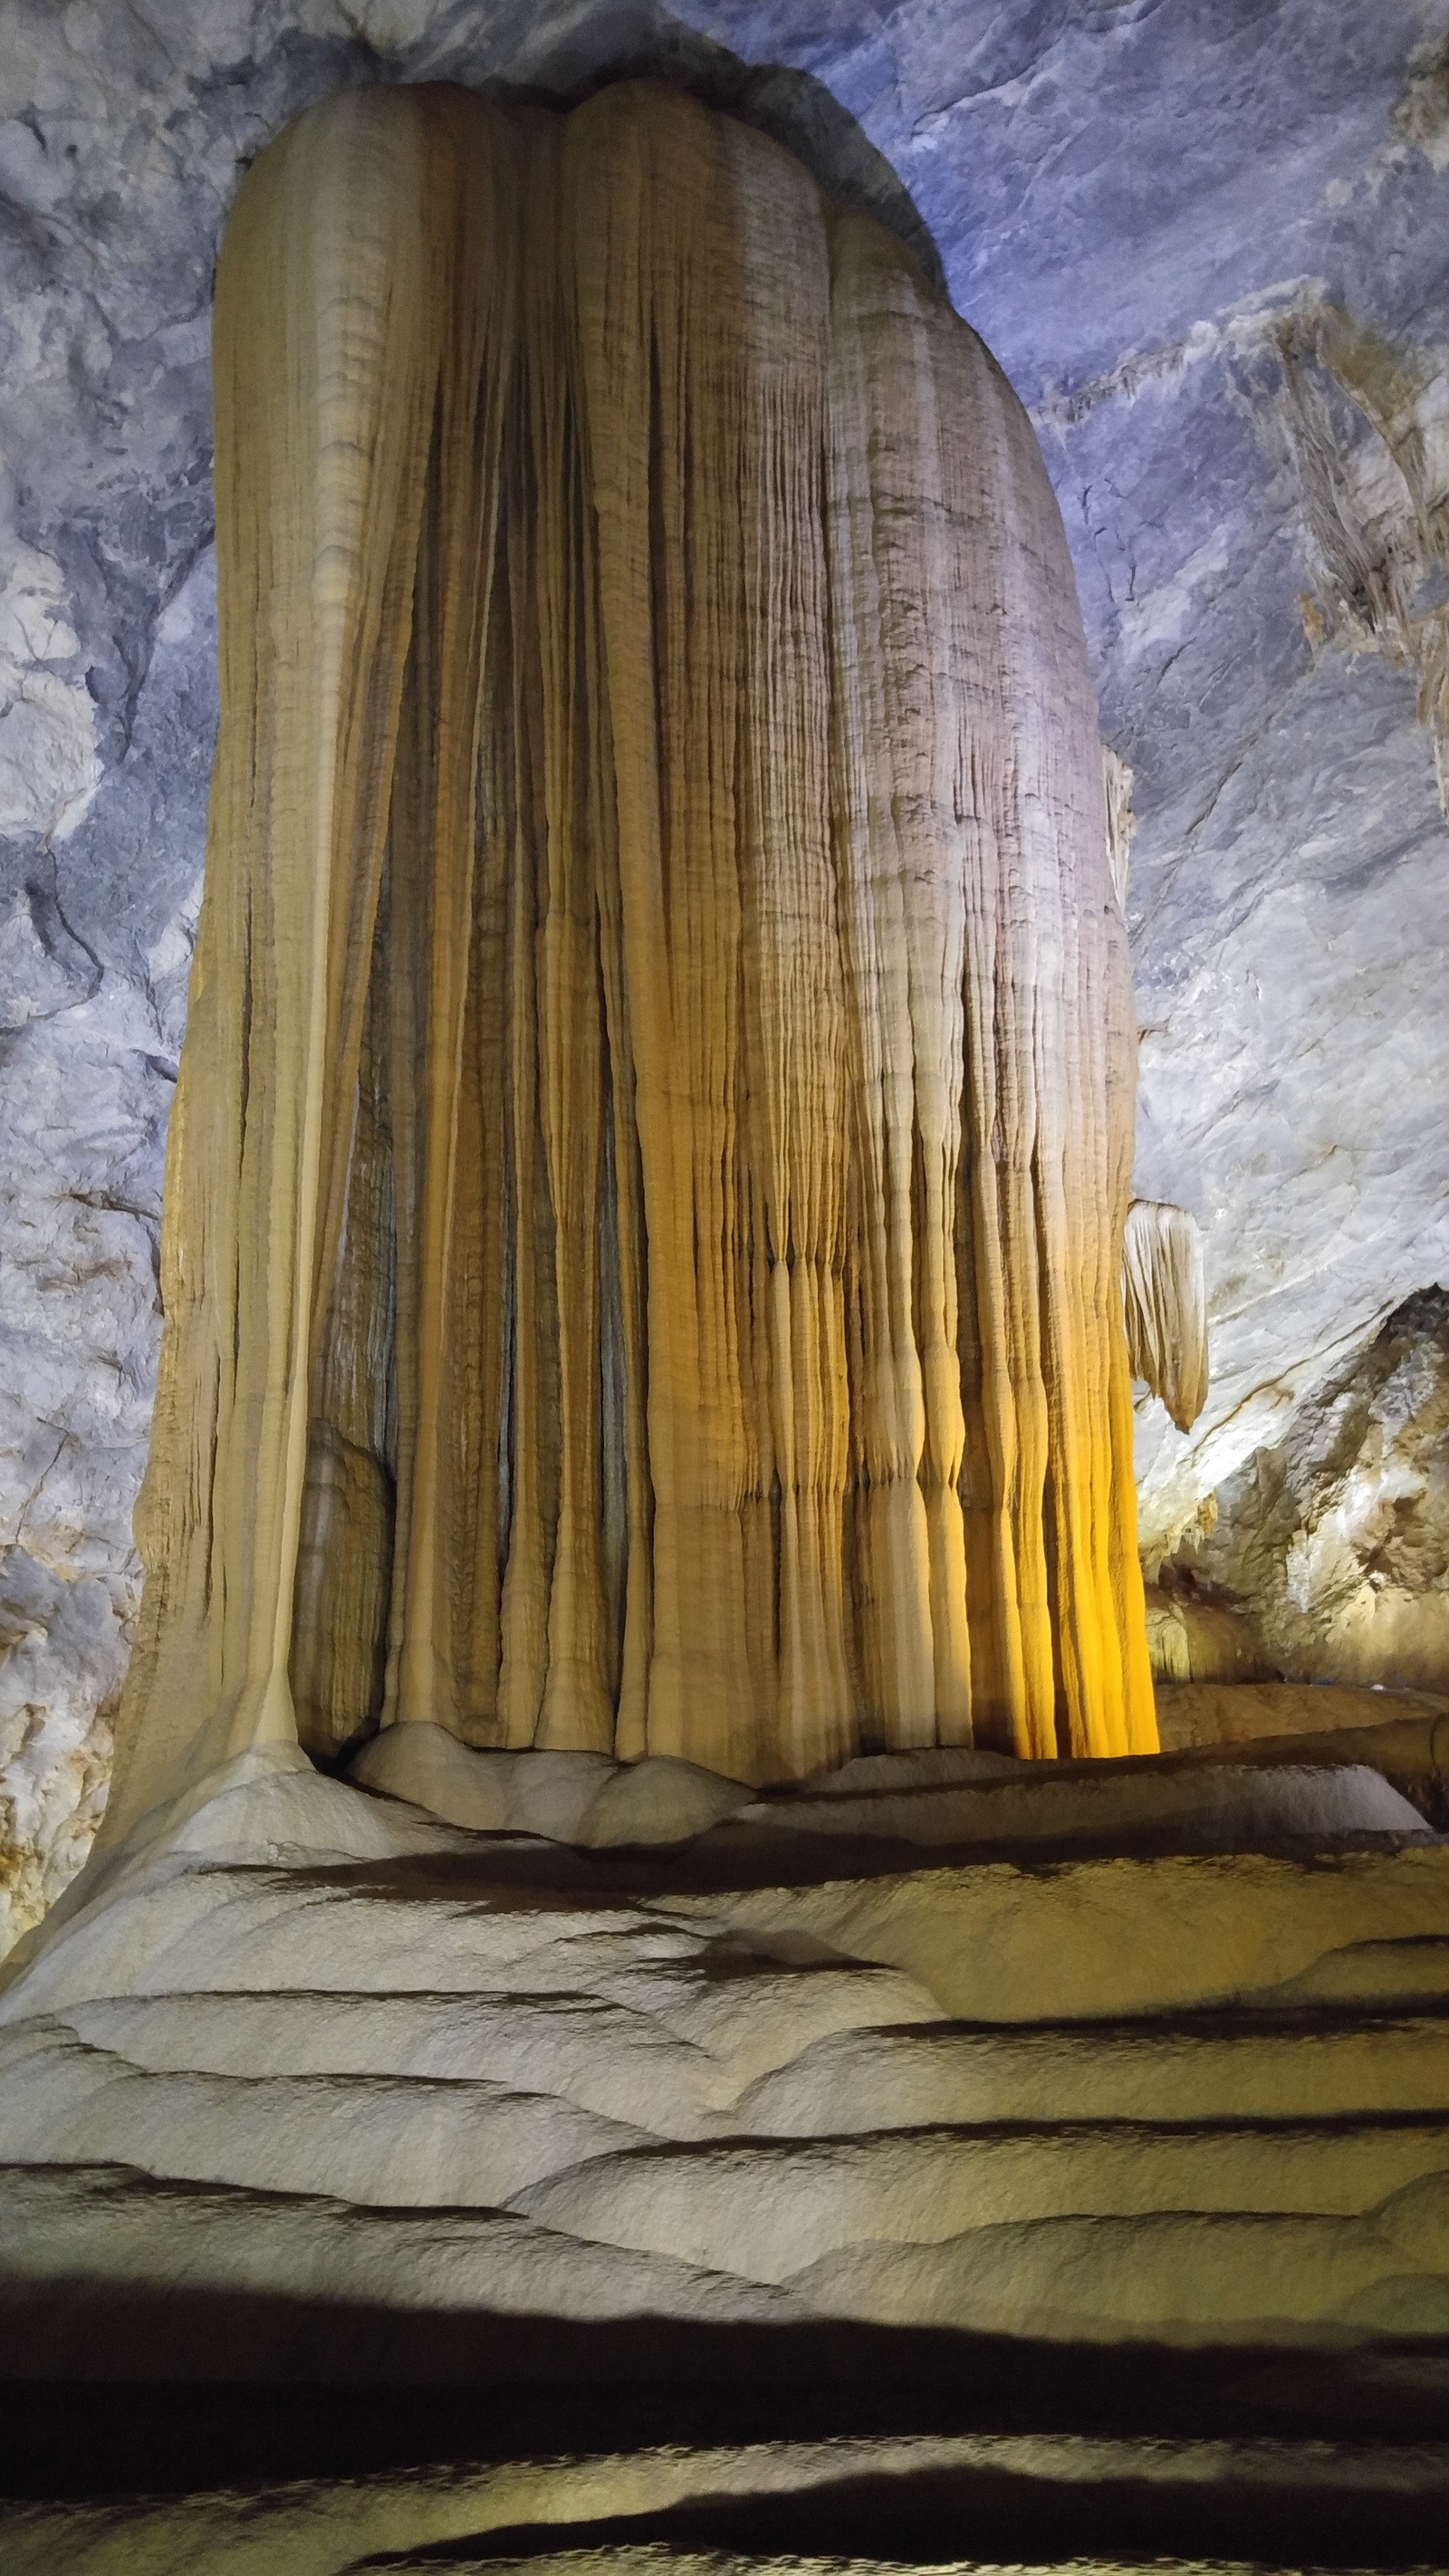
1333 1544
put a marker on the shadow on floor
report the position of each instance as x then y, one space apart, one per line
1339 2458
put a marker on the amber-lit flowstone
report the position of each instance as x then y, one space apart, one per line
644 1220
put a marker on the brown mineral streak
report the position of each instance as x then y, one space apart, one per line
644 1216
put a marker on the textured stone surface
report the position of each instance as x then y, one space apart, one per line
310 2088
962 1799
646 1189
1334 1543
581 1798
1128 202
1400 1734
1164 1293
1206 1808
588 2508
1208 1713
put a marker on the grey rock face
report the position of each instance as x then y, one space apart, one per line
1153 216
1337 1537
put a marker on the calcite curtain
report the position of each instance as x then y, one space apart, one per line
644 1213
1165 1297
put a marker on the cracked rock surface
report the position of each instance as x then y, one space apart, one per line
1336 1540
1206 245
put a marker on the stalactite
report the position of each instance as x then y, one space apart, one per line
1166 1301
645 1206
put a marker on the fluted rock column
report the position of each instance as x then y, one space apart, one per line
644 1218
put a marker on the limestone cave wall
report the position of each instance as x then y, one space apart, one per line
1325 1557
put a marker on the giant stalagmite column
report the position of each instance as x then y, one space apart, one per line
644 1220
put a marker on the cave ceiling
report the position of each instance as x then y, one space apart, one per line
1204 238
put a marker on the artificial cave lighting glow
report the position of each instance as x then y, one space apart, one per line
644 1218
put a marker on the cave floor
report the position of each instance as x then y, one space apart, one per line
375 2193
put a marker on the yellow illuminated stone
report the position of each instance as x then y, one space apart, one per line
644 1218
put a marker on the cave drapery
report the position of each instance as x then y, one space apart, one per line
1165 1296
644 1213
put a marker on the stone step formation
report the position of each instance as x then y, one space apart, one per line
319 2089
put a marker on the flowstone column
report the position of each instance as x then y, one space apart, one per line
643 1238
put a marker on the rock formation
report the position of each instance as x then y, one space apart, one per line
646 1185
1288 866
1332 1548
1166 1301
642 1273
417 2105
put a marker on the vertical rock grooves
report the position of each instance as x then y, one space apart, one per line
646 1191
1166 1302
